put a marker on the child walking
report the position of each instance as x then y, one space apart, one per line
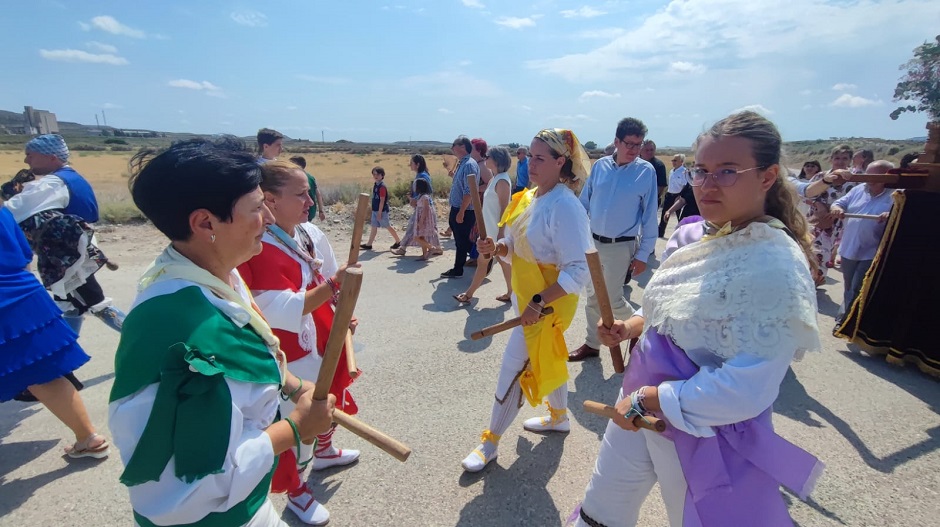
380 210
422 228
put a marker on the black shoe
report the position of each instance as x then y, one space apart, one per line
453 273
397 245
365 247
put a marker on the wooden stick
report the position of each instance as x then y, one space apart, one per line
605 410
503 326
395 448
362 212
477 205
351 356
349 294
861 216
603 303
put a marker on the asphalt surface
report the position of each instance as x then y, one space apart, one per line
876 426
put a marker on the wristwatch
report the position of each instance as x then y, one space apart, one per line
537 300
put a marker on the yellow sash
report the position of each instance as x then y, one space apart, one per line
545 341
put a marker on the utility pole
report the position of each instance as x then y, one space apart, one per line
97 124
322 136
105 117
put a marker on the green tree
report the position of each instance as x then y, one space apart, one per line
590 145
921 83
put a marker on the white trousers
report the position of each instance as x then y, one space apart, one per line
627 466
615 260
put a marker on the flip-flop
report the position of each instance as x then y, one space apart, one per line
83 449
462 298
505 297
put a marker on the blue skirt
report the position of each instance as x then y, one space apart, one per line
36 345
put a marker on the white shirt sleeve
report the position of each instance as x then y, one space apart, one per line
571 235
283 309
170 500
738 390
45 193
324 251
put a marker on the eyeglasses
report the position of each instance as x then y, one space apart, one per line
630 146
723 178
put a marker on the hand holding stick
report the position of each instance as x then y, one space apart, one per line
503 326
334 348
603 303
477 205
362 212
605 410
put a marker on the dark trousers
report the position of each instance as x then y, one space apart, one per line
461 235
853 274
668 202
85 296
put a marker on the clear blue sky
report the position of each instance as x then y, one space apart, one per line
433 69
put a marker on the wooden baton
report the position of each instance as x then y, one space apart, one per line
349 294
861 216
477 205
608 411
603 302
503 326
362 212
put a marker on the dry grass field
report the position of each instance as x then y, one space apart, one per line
340 175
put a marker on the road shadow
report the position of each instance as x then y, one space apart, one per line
479 318
790 499
408 264
18 491
590 385
516 495
794 402
827 306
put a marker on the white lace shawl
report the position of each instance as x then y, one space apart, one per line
747 292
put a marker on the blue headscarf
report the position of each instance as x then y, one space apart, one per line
49 144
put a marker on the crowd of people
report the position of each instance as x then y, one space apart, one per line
226 335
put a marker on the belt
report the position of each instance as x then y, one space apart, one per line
605 239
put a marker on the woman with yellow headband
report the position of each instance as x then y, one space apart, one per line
546 235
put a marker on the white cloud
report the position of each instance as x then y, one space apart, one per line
759 108
673 33
205 86
250 18
109 24
473 3
852 101
525 108
807 92
570 118
98 46
515 22
583 12
445 111
466 62
77 55
111 106
685 68
598 94
844 86
291 108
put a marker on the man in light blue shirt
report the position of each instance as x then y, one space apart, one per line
861 236
621 200
522 170
462 217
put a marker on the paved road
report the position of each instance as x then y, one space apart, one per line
875 426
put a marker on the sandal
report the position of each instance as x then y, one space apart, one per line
398 252
505 297
83 448
462 298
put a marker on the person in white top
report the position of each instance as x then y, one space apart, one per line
495 199
678 178
546 234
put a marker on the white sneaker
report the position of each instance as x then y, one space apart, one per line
546 424
333 458
309 510
477 460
